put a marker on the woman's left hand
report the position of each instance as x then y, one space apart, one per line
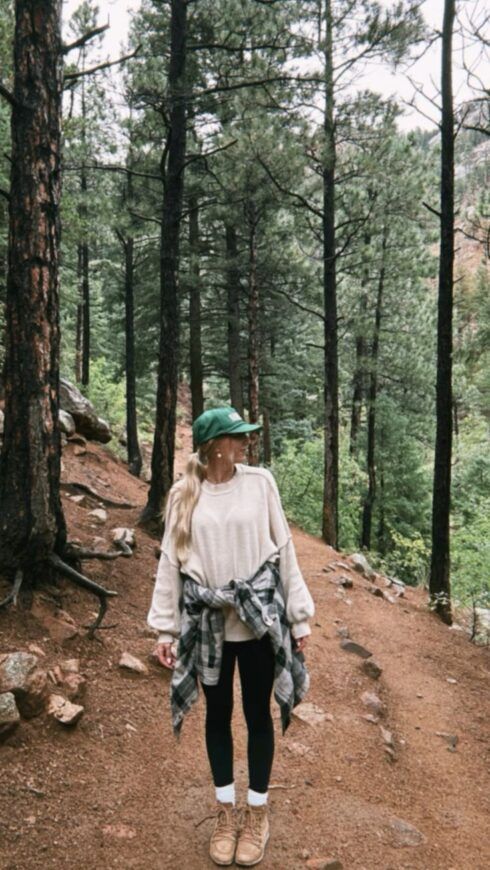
300 643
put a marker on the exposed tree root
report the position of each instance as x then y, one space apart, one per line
12 596
109 502
102 593
79 553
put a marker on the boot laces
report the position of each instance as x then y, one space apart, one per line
252 825
225 822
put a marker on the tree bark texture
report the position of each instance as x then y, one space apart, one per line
84 248
134 454
359 378
253 333
367 514
195 343
331 389
32 524
233 306
162 461
439 585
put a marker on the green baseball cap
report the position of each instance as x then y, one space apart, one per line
220 421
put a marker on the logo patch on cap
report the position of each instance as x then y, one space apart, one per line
234 416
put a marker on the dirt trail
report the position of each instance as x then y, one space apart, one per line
118 791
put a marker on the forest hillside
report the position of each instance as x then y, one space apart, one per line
387 769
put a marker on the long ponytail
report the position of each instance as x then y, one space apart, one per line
186 493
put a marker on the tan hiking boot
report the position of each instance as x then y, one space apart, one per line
253 836
223 839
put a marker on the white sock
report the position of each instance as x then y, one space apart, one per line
225 794
257 798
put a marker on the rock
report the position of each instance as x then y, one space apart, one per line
362 566
99 515
342 631
71 682
297 748
346 582
376 591
356 648
324 864
451 680
124 539
343 565
370 718
373 702
387 737
132 663
36 650
402 834
67 423
79 499
86 420
77 439
70 666
60 626
20 675
9 715
372 669
64 711
78 450
451 739
311 714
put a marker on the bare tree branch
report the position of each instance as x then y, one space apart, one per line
82 40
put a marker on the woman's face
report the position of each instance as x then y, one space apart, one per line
233 448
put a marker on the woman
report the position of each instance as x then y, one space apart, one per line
229 588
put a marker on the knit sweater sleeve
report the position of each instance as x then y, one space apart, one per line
299 603
164 613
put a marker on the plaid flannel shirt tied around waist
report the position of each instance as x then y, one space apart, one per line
259 602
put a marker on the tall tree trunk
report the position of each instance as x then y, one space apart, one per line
253 333
367 514
84 248
32 524
79 326
331 434
233 305
359 378
134 453
439 585
195 344
162 460
85 293
266 436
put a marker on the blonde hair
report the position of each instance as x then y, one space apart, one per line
186 494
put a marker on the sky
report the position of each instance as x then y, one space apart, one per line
425 71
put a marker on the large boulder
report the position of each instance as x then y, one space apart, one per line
83 413
67 423
20 675
9 715
362 566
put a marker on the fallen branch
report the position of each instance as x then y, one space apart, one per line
12 596
80 580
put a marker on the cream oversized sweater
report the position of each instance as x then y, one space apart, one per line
236 526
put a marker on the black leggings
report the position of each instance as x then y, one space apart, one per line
256 668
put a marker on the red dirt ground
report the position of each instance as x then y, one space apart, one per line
117 791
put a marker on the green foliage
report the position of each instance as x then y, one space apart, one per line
107 395
408 558
299 474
